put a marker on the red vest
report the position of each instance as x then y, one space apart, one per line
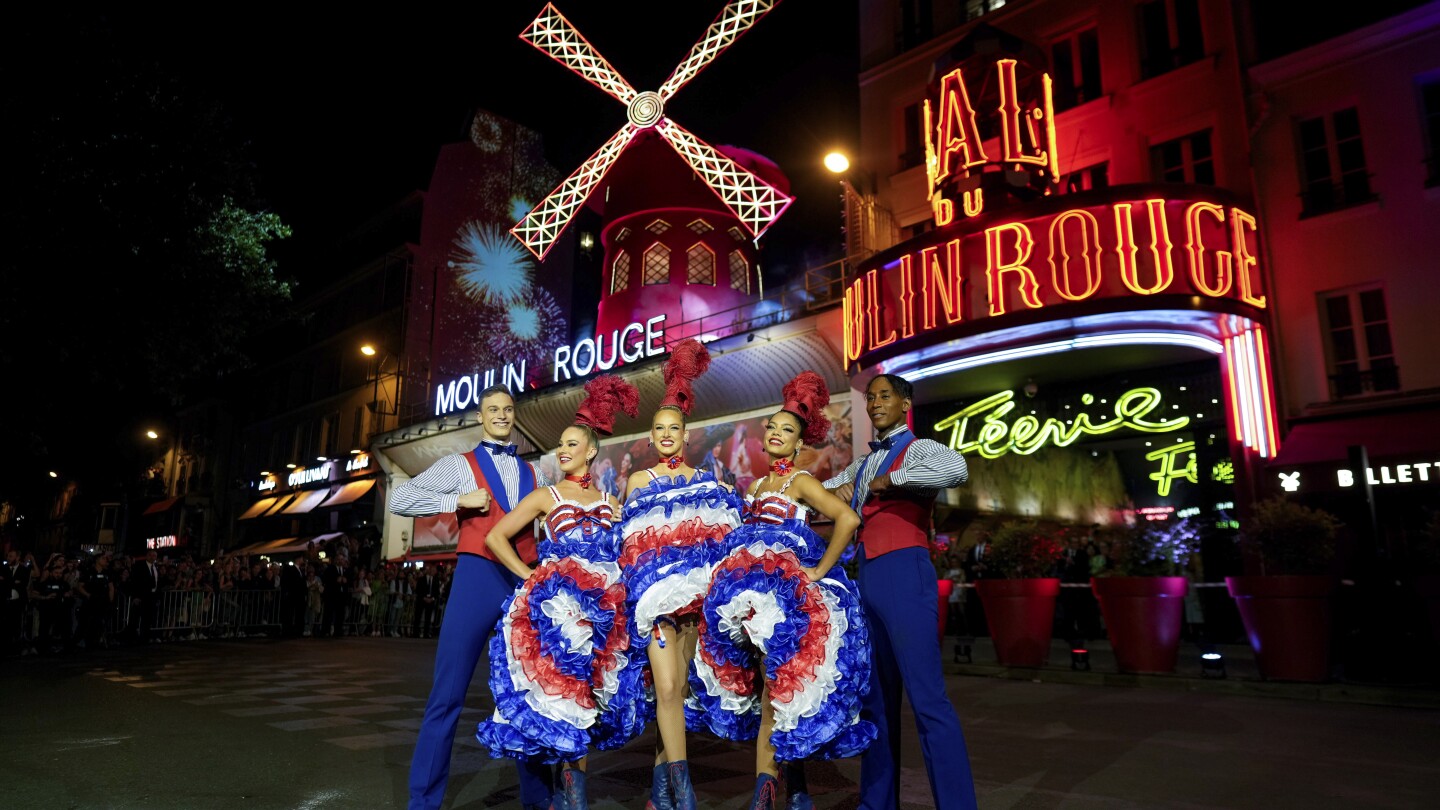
474 524
896 518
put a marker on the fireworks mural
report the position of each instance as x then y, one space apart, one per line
490 266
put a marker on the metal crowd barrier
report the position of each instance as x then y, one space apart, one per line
179 614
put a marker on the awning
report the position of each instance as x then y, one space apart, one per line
162 506
349 492
259 507
251 548
305 501
1384 435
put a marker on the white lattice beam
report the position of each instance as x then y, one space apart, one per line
735 19
554 35
546 221
754 202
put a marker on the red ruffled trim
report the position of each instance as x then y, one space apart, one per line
692 532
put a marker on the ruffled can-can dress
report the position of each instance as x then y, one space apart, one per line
560 659
673 530
764 624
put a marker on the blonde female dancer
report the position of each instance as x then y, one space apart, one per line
673 526
779 606
560 658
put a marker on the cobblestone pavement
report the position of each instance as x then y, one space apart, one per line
330 723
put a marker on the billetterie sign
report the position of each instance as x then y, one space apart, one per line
600 353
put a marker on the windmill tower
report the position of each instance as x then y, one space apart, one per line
681 217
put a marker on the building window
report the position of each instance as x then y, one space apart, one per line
657 264
1430 119
1357 332
736 234
1184 160
330 435
1077 69
620 273
700 226
1332 163
658 227
1088 179
739 272
700 265
1170 35
358 436
915 25
912 138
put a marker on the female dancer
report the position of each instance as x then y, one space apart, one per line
559 660
673 525
778 604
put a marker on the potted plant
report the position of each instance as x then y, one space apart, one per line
1018 591
1286 606
1142 590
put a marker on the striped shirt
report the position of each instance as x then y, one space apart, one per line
927 467
439 488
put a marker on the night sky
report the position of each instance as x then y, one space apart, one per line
346 115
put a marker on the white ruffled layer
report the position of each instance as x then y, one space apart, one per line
658 518
672 592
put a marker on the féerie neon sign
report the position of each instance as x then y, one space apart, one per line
993 437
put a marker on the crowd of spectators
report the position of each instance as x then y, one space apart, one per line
339 588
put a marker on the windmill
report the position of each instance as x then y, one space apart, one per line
753 201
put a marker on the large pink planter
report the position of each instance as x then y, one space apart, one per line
1287 619
1020 614
1143 617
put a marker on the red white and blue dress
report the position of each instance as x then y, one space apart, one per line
809 641
560 666
673 530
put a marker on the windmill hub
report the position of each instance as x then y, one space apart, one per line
646 109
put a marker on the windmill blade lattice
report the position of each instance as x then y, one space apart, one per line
754 202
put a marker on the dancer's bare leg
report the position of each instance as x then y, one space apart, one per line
669 666
764 751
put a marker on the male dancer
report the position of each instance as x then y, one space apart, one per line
479 487
893 488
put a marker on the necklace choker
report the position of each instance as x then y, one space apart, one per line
582 480
674 462
782 466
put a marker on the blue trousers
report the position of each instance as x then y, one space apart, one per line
477 593
902 606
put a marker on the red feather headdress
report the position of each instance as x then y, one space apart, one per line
806 396
604 396
688 360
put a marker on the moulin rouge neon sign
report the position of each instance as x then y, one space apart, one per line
1156 240
991 436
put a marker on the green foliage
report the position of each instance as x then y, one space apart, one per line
1152 549
1022 549
1290 538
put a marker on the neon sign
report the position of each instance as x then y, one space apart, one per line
994 437
265 483
1129 248
1171 469
626 345
359 462
164 541
955 150
1404 474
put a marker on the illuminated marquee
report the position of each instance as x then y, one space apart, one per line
359 462
1137 247
164 541
993 437
600 353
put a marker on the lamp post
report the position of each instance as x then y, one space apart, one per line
377 361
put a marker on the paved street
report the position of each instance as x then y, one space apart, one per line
308 723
